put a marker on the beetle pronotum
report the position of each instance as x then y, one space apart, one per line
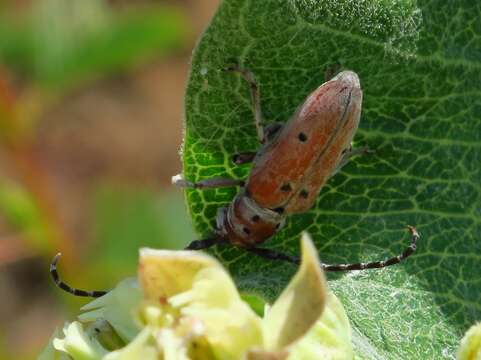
288 171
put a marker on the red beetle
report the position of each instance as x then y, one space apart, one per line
288 171
293 163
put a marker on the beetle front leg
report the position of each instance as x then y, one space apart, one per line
255 97
178 180
350 153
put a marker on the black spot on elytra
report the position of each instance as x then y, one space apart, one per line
246 230
255 218
304 194
286 187
302 137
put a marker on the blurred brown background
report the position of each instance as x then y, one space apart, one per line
91 107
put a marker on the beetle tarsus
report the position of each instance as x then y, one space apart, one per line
64 286
213 183
178 180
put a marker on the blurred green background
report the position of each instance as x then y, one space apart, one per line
91 102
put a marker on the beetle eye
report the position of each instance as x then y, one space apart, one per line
302 137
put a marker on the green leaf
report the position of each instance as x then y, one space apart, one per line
419 64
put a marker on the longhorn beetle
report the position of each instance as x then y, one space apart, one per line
288 171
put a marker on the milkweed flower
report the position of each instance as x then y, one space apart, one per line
185 305
470 347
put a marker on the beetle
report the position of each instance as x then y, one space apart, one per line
288 171
290 168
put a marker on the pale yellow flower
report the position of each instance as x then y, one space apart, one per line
470 347
186 306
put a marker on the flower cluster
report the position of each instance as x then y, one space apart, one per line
185 305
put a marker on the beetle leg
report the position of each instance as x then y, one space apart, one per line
244 157
213 183
350 153
255 98
379 264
